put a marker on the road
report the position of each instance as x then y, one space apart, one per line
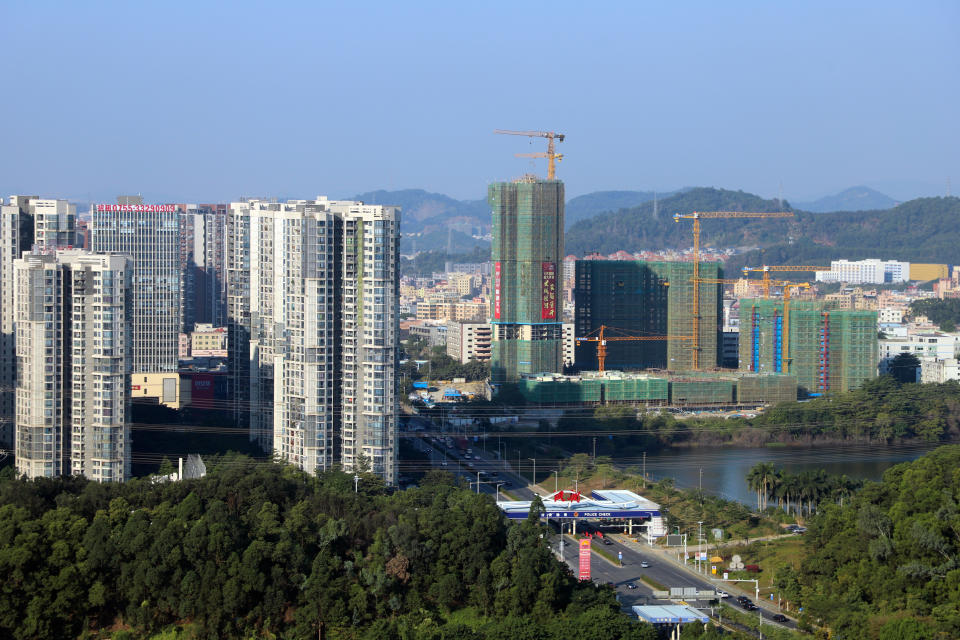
662 567
479 461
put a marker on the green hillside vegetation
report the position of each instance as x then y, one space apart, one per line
887 563
943 313
922 230
264 550
591 204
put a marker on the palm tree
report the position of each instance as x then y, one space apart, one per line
767 474
755 481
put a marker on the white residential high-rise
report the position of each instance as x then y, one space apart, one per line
25 222
73 351
149 235
313 286
872 271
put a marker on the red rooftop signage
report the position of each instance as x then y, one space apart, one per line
137 208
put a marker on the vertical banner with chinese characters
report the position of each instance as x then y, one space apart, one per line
496 291
585 559
549 306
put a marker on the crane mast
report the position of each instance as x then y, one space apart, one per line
696 216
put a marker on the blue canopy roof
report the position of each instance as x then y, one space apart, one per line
670 614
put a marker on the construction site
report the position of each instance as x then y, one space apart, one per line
648 333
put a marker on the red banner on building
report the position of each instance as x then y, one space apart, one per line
584 559
496 291
549 305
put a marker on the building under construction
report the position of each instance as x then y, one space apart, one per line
683 389
826 349
647 299
527 253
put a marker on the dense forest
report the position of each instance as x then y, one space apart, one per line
887 563
263 550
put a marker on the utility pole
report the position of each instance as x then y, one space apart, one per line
478 483
556 480
594 451
701 486
644 470
534 479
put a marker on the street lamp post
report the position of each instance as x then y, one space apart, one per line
478 483
499 484
556 480
356 484
534 479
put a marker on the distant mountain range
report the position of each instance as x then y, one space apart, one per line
607 221
852 199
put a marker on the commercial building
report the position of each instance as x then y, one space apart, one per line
527 253
313 289
149 235
468 341
640 298
926 272
73 351
872 271
25 222
826 349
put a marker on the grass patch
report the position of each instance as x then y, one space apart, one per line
603 553
650 582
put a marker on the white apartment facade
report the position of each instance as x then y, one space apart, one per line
313 286
871 271
26 221
72 344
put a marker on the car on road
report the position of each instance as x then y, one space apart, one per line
607 541
443 463
644 564
630 585
722 594
778 617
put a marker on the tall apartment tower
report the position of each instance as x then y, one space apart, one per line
72 344
527 254
202 264
149 235
313 288
25 222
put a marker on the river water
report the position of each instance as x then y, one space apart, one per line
725 469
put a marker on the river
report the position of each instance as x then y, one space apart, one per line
725 469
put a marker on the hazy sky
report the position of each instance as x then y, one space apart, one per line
207 101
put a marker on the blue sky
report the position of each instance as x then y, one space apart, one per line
209 101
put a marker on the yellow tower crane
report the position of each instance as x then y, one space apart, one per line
551 155
766 269
601 338
696 216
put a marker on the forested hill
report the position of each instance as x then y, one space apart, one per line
261 550
922 230
637 227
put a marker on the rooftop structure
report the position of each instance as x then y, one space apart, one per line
613 504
